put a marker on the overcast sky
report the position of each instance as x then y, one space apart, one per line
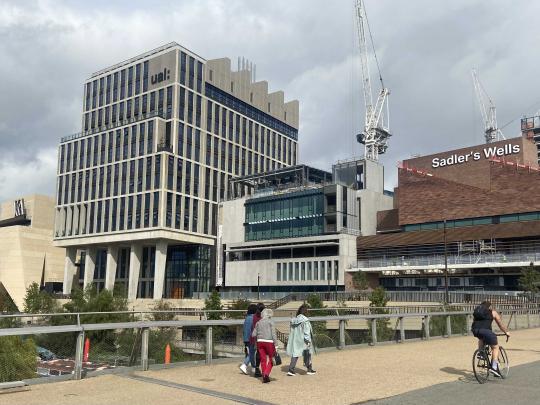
307 48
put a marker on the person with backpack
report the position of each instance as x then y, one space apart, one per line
265 334
300 341
249 348
253 341
484 315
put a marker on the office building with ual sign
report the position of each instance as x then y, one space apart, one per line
138 187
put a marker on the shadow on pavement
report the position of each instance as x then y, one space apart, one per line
299 371
465 375
522 350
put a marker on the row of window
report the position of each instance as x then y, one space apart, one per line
308 271
116 214
496 219
136 212
108 147
133 176
233 127
160 102
293 205
134 80
140 175
248 110
427 282
116 86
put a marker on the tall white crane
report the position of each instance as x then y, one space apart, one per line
492 132
376 122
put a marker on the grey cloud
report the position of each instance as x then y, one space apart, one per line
307 48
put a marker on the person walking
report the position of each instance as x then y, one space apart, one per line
252 341
300 341
249 348
265 333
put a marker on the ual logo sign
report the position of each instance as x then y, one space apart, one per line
19 207
161 76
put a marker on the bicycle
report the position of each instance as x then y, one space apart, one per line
481 362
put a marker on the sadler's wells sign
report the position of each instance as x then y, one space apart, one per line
486 153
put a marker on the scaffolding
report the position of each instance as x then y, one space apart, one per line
530 129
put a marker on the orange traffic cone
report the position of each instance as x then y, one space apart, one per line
167 354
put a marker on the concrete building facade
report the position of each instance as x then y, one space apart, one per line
296 228
138 188
27 254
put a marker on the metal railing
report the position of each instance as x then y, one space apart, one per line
337 331
438 260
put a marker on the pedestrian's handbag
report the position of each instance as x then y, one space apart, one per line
277 359
307 357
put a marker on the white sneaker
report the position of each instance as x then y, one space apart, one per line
243 368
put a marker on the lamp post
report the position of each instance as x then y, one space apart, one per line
446 297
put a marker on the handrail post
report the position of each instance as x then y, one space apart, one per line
515 320
469 323
528 319
373 331
144 348
426 327
79 350
401 330
341 334
448 326
208 347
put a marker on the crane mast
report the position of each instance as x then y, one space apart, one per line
376 120
492 133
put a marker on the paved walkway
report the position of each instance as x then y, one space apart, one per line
521 387
351 376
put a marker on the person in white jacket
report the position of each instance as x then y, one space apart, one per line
300 341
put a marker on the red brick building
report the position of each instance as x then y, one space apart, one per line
485 199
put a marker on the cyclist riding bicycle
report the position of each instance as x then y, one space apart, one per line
484 316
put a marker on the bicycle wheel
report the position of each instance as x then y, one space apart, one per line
480 363
504 365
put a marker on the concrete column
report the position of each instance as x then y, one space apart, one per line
159 274
89 266
69 269
110 271
135 259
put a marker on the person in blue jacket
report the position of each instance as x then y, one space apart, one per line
300 342
249 348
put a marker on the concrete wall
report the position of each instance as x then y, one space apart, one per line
27 251
233 217
245 273
369 202
240 85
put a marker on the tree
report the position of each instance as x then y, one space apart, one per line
378 300
529 281
39 302
18 358
360 281
320 332
213 304
437 324
239 305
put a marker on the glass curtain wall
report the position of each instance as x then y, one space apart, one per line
187 271
289 216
